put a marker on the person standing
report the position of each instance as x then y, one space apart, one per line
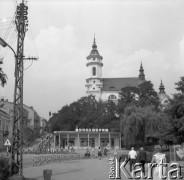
142 158
159 158
99 153
132 158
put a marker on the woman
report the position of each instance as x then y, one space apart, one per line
159 170
99 153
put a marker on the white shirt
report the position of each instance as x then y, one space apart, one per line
132 154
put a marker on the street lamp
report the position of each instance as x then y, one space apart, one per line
16 146
4 44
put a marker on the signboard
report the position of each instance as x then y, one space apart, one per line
7 143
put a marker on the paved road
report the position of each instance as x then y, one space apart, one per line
88 169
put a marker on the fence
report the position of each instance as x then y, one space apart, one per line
42 160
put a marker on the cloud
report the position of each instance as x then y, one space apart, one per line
58 77
179 65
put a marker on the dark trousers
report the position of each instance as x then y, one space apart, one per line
143 166
132 163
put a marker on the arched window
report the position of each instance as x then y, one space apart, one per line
112 97
94 71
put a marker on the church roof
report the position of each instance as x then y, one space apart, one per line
116 84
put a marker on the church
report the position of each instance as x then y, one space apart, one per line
108 88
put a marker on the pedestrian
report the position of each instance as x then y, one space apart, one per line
132 158
93 152
105 152
99 153
159 158
115 153
142 158
87 153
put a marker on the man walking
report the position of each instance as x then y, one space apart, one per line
142 158
132 158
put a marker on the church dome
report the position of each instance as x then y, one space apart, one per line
94 52
163 97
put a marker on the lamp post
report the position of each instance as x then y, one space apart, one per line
16 160
4 44
49 133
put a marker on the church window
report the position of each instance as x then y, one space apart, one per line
94 71
93 81
112 97
93 88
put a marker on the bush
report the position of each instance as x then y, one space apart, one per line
4 168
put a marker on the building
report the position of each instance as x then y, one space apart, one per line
5 126
164 98
108 88
87 138
43 125
30 117
34 118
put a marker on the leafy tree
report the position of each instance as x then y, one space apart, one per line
128 96
86 113
176 112
180 85
147 95
111 118
143 95
3 78
142 122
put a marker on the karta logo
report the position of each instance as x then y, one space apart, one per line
117 168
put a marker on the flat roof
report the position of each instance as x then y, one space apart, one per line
85 132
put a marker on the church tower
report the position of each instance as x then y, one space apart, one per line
161 88
94 65
141 73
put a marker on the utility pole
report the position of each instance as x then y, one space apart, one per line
17 139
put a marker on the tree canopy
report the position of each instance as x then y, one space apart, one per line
176 113
3 78
86 113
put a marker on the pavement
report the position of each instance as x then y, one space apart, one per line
87 169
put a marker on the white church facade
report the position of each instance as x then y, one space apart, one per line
109 88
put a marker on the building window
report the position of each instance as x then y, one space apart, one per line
84 142
94 71
93 81
112 97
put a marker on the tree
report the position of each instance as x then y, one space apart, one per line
128 96
180 85
147 95
87 112
142 122
176 113
111 118
3 78
143 95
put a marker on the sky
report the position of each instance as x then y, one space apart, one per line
61 34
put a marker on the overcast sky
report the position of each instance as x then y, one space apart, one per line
61 34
